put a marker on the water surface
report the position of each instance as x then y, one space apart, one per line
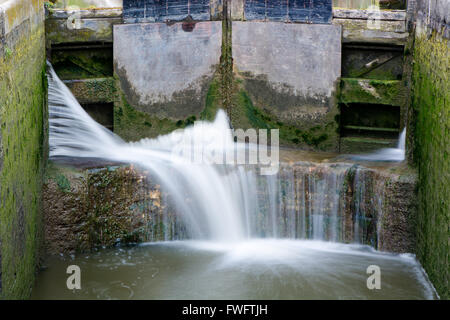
253 269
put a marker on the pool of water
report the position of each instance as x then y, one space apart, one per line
253 269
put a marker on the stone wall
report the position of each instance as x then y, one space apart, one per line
431 110
23 142
87 208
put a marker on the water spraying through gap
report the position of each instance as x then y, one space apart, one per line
387 154
232 207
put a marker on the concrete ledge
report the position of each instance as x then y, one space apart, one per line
358 145
76 29
359 31
391 15
85 14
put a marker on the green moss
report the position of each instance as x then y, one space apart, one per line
8 53
96 90
62 182
83 64
245 115
430 100
213 100
22 157
133 125
388 92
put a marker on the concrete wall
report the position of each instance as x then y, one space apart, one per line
172 73
429 118
430 103
164 70
291 71
22 142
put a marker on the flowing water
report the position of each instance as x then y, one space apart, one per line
387 154
253 269
255 236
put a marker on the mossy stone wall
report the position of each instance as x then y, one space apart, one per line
431 103
22 143
88 208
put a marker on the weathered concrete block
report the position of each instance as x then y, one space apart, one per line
165 70
84 30
434 15
359 31
291 69
71 26
391 15
165 10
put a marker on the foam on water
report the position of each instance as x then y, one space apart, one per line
386 154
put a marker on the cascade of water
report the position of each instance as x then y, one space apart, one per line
218 202
211 201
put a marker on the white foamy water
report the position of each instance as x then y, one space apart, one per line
213 199
386 154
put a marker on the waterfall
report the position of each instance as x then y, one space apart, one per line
218 202
210 198
387 154
402 141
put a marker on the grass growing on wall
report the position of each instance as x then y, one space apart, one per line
22 149
431 102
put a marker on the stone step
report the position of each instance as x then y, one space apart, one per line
361 128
